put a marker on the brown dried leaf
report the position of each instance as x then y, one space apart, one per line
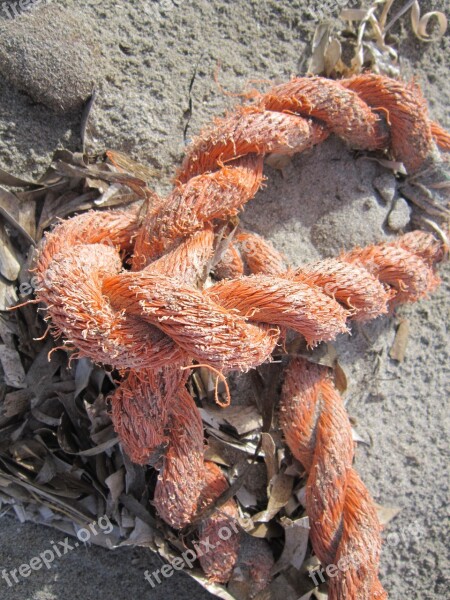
332 55
15 403
12 367
21 214
216 589
8 329
245 445
296 544
116 485
142 535
243 419
340 378
398 348
280 490
246 498
127 165
8 296
83 372
269 448
13 181
316 64
9 257
353 14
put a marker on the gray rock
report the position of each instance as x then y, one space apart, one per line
385 185
51 54
400 215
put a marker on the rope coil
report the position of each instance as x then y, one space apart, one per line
156 318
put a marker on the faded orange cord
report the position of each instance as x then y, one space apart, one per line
345 531
221 528
152 321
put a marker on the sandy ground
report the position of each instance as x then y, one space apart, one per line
153 64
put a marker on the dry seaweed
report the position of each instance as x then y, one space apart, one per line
367 43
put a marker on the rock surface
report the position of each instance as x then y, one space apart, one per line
400 215
52 55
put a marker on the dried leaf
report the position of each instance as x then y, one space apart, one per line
142 535
127 165
261 530
280 490
211 418
116 484
99 449
269 448
393 165
8 329
47 472
83 371
216 589
13 181
316 64
15 403
296 544
9 263
19 213
243 419
398 348
281 589
12 366
8 296
353 14
245 445
332 55
340 378
216 451
246 499
387 513
85 118
420 24
358 439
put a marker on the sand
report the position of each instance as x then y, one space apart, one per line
154 66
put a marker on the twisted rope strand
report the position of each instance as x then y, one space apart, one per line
344 527
220 529
181 479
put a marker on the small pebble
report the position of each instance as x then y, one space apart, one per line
400 215
51 54
385 185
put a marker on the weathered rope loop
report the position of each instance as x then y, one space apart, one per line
120 318
132 290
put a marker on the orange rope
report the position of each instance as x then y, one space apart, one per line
158 317
345 531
